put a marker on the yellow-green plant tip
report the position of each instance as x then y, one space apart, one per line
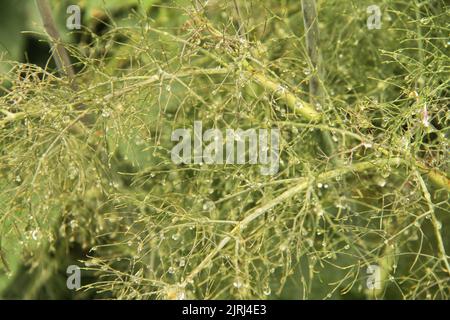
438 178
283 94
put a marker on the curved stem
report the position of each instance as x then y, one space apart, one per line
300 186
437 177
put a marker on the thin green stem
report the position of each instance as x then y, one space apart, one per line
312 38
300 186
437 177
435 223
293 102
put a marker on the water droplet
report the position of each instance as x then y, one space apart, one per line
209 206
267 291
175 237
66 119
380 182
73 172
35 234
181 295
73 224
237 284
319 211
106 113
425 20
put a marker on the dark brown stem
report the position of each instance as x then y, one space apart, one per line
59 54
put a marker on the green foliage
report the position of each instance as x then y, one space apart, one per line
86 175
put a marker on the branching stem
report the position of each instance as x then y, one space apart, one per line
300 186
